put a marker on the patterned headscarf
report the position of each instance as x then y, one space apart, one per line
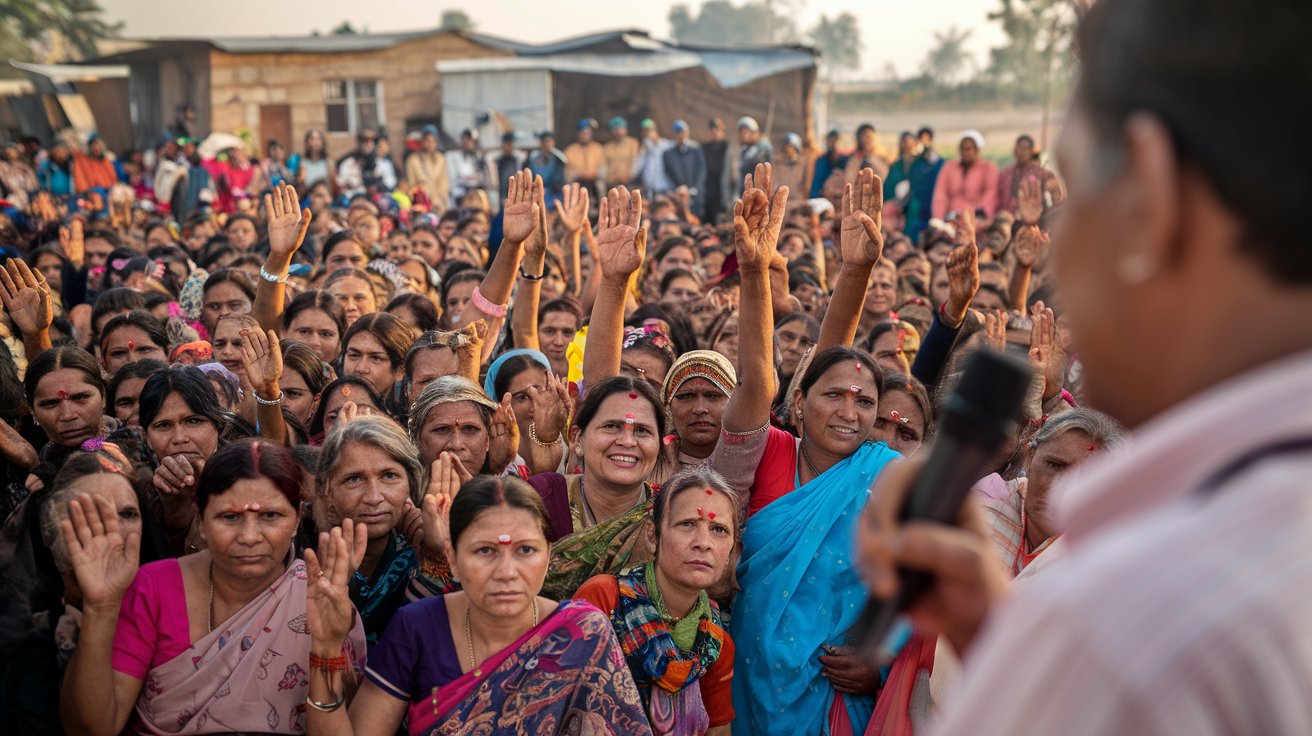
707 364
192 293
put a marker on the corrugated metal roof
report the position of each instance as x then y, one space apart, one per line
59 73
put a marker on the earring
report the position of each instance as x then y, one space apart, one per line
1136 269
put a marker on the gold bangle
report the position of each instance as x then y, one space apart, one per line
533 435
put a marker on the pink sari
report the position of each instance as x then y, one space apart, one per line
566 675
248 675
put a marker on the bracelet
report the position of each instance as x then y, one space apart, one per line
328 664
271 278
327 707
266 402
435 569
533 435
526 277
482 304
748 433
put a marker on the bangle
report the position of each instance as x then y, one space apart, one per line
533 435
526 277
328 664
481 303
327 707
435 568
266 402
271 278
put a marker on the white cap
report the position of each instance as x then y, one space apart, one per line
748 123
976 136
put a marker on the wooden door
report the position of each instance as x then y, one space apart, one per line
276 125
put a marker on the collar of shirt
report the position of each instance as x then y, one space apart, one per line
1181 449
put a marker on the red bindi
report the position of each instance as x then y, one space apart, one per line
711 515
63 394
132 345
1092 448
633 396
709 492
346 391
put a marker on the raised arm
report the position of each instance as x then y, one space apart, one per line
756 223
262 355
621 247
862 242
524 317
963 283
1028 240
26 297
572 208
519 217
287 227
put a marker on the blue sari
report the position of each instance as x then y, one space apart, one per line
800 591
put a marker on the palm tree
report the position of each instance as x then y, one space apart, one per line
948 61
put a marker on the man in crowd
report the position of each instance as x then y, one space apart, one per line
426 170
650 167
355 170
792 169
718 166
549 163
685 165
753 149
584 157
468 169
831 160
508 160
620 154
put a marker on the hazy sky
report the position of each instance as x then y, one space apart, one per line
899 32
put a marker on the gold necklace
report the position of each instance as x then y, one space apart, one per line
469 632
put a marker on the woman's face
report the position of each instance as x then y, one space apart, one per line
356 296
520 398
915 267
115 488
889 354
228 342
696 408
127 344
177 430
457 300
726 343
792 247
939 287
456 427
501 580
334 402
366 358
900 423
683 290
126 401
680 257
553 285
429 365
644 365
367 230
426 246
398 247
555 332
370 486
297 396
320 198
248 529
838 411
1048 462
318 331
697 538
242 234
68 407
221 300
793 340
416 275
882 293
621 443
52 268
346 254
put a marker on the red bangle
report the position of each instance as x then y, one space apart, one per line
328 664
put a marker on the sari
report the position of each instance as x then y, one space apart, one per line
801 592
566 675
603 548
248 675
377 598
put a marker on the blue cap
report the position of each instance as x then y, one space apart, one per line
793 140
430 129
587 123
618 122
680 126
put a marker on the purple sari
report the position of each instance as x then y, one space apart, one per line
565 676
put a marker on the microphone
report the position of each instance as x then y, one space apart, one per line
980 416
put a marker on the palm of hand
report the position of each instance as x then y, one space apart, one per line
329 611
104 567
32 310
518 222
1027 245
618 253
282 231
858 247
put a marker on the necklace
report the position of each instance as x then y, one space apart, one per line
469 632
211 576
815 473
589 517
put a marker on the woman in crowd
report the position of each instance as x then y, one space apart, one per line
670 631
349 396
129 337
343 250
312 165
375 347
440 353
152 645
695 392
304 378
317 319
65 390
499 654
794 334
521 375
414 309
368 470
454 416
894 344
124 391
457 291
354 291
905 414
226 292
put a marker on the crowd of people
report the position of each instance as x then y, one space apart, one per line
556 442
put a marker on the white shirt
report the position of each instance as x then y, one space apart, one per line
1176 612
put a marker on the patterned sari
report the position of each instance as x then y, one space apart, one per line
602 548
565 676
248 675
801 592
378 598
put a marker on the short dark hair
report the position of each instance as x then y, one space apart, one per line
192 385
608 387
421 306
136 369
55 359
1187 62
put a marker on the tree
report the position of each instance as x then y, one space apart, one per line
456 20
1038 52
345 29
754 23
839 42
948 60
52 30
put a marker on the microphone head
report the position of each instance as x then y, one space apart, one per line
992 389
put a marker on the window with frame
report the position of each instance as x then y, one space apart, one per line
353 104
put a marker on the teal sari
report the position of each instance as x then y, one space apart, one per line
800 592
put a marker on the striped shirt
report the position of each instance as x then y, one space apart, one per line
1176 611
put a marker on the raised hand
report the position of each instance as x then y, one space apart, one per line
861 236
26 297
1045 354
963 275
1029 198
262 356
72 238
328 608
995 329
288 223
504 445
1029 245
550 409
43 209
520 216
572 208
351 411
444 483
469 351
536 245
621 240
104 559
757 220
